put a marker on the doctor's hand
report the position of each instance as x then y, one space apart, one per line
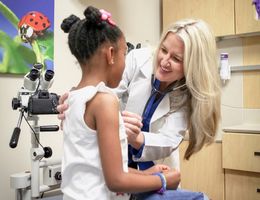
133 125
62 107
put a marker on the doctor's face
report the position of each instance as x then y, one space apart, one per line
169 67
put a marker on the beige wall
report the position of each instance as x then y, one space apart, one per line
140 22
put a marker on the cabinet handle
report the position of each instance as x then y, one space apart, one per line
258 190
257 153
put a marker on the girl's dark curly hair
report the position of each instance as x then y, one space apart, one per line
87 35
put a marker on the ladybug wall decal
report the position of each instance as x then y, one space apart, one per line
33 24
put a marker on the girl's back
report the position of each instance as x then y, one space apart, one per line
81 161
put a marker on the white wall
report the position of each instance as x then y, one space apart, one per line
139 19
232 103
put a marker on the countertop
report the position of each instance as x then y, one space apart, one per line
243 128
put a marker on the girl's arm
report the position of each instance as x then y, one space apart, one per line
106 117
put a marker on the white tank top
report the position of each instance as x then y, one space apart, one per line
82 175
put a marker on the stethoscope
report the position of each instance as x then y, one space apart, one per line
171 87
155 83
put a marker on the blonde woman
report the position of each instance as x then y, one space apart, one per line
186 66
168 93
184 83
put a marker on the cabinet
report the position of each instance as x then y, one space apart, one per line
251 79
203 172
241 161
226 17
245 17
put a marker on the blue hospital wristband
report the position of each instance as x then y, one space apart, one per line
164 182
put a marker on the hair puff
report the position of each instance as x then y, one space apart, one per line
68 22
93 17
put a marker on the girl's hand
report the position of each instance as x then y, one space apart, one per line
157 168
133 125
62 107
173 178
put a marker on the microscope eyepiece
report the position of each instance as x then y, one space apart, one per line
49 75
38 66
34 74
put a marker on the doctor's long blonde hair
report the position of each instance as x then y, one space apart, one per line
202 80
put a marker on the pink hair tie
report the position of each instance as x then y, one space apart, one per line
106 16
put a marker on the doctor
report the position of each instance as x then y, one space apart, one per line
155 126
179 94
167 93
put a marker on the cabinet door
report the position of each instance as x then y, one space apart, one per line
241 151
245 17
251 79
203 171
219 14
242 185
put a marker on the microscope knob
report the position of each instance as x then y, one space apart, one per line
47 152
57 176
16 103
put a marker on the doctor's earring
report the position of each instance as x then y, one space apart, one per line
112 62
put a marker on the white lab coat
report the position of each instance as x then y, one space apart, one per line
167 129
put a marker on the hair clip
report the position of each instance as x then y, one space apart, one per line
106 16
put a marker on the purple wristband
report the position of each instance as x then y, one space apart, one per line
164 183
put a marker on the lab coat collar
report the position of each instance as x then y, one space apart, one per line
162 109
145 61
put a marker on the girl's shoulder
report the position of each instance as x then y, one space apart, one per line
105 99
89 92
104 96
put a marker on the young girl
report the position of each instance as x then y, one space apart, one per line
94 163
